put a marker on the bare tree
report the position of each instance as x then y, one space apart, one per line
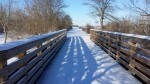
101 8
139 6
33 18
45 13
5 17
142 8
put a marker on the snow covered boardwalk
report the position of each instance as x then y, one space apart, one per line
80 61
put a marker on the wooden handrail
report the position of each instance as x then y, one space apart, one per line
130 50
32 54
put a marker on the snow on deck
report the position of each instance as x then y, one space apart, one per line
80 61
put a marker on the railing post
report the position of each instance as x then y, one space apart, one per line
103 43
94 36
40 51
48 45
3 63
118 45
108 44
21 55
91 34
132 61
97 38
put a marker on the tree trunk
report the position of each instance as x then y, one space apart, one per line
101 22
6 34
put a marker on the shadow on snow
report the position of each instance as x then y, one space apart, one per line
75 66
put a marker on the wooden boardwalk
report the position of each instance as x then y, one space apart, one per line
75 57
81 61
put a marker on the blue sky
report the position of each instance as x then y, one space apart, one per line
80 12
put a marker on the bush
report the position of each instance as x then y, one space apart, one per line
88 27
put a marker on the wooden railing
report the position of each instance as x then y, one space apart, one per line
131 51
32 54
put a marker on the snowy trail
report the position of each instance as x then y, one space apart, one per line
80 61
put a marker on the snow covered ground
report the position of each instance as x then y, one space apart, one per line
2 38
80 61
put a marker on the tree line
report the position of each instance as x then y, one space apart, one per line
32 17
